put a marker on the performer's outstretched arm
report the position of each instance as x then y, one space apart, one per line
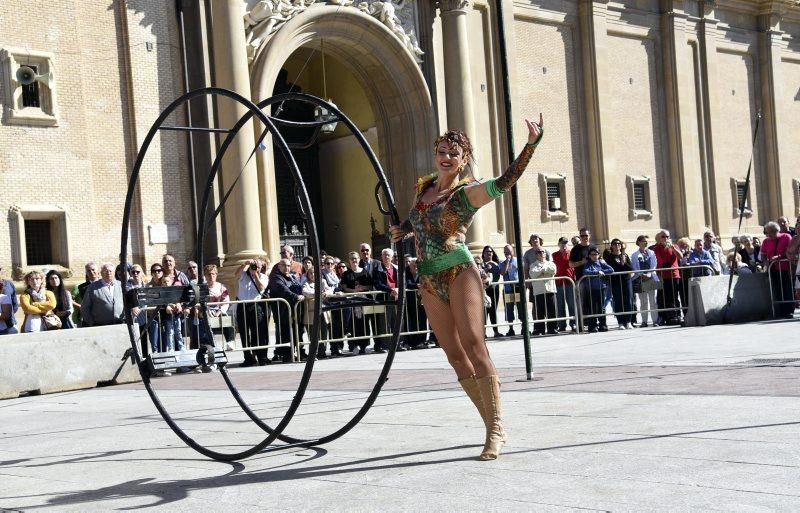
484 193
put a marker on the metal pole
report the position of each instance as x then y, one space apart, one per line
526 337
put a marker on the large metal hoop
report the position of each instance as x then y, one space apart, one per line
305 206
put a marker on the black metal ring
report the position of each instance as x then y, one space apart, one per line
256 111
382 378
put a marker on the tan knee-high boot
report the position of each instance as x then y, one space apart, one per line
489 388
470 386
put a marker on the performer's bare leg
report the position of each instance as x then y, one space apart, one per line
444 326
461 332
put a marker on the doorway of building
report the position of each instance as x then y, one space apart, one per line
339 177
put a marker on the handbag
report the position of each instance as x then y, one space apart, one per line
650 285
51 321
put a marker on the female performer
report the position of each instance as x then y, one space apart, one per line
450 284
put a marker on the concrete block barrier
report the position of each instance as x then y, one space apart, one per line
61 360
708 297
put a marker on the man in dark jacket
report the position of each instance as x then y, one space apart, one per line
385 279
281 286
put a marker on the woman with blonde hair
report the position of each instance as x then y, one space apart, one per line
36 302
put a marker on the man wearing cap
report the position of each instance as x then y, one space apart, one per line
529 257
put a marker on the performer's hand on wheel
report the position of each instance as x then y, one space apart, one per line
397 233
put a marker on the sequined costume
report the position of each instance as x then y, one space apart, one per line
440 227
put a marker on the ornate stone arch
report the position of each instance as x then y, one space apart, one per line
390 77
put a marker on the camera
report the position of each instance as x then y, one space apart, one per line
253 266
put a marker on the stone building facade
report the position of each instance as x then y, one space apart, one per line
650 108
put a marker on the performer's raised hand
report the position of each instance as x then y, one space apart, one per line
535 130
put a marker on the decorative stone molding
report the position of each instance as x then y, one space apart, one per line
16 112
60 238
268 16
636 212
558 210
736 184
796 195
453 5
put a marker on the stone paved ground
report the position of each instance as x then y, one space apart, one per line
677 419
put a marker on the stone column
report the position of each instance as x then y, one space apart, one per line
458 87
242 210
771 95
684 167
594 47
710 108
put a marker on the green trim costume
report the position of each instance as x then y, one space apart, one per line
440 227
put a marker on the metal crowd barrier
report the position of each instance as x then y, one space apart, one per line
261 333
538 302
673 298
782 282
358 324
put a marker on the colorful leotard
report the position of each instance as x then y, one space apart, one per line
440 227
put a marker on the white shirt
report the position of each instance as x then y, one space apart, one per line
247 287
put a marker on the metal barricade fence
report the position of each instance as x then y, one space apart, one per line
544 308
596 292
782 277
356 324
247 325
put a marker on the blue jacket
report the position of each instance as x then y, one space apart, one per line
8 288
509 272
594 269
701 257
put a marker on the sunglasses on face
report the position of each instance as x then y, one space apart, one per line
136 272
156 270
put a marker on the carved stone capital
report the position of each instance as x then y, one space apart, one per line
453 5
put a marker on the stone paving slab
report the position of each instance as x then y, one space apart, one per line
640 429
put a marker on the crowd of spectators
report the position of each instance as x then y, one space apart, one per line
647 286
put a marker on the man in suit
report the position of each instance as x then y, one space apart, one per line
367 262
103 303
384 279
8 289
281 285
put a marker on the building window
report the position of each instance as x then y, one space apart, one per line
35 103
740 192
639 197
39 237
38 241
553 197
30 93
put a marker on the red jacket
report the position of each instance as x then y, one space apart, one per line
561 259
667 257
